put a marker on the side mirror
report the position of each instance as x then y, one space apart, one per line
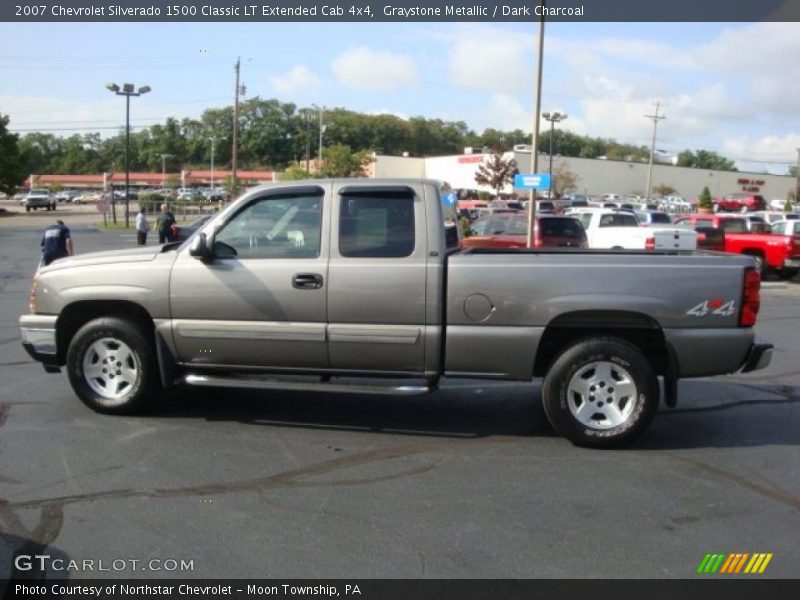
200 248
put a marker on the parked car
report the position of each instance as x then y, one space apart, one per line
621 230
511 231
39 198
652 217
773 216
740 203
184 232
777 253
66 195
580 319
675 205
87 198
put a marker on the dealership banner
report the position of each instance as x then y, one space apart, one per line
408 589
396 10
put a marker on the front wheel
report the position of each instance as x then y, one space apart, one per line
111 366
600 393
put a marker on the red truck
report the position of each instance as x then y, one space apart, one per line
772 252
740 203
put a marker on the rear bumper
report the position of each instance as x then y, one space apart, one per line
38 333
759 356
792 263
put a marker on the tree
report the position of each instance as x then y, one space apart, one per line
704 159
788 205
12 167
662 189
294 173
497 172
704 201
564 181
340 161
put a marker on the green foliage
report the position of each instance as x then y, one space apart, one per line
704 200
703 159
497 172
340 161
12 165
294 173
564 181
788 206
171 182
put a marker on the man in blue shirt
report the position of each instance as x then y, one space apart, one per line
56 243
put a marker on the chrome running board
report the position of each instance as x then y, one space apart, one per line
255 383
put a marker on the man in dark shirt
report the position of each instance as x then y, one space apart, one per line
164 223
56 243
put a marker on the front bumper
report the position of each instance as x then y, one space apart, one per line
38 334
759 356
793 262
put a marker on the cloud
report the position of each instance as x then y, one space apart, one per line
774 153
298 79
374 70
502 65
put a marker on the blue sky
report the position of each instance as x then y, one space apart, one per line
728 87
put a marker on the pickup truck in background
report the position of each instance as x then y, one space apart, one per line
350 285
621 230
772 252
38 198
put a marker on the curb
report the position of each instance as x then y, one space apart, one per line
773 285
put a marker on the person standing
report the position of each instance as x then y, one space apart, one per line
56 243
164 223
141 228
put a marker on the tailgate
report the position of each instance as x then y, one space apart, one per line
675 239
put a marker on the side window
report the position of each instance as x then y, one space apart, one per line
376 225
274 227
586 219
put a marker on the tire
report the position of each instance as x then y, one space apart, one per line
133 355
27 209
588 369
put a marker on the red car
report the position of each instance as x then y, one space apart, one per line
740 203
510 231
778 253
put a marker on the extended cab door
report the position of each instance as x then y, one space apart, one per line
377 278
260 301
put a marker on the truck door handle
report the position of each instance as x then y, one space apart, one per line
307 281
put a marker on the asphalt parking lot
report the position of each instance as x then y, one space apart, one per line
466 482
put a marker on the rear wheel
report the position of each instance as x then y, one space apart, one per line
111 366
600 393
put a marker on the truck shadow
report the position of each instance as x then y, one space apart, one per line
710 414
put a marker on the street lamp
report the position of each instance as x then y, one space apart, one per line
213 141
554 117
127 90
164 158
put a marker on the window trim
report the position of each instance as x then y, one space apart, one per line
377 192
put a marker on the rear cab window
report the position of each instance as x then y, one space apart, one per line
377 224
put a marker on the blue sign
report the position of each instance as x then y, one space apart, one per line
449 199
532 181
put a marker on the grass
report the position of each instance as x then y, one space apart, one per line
111 226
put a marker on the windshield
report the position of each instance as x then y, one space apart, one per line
733 225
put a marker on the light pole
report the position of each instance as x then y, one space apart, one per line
164 158
535 133
655 118
127 91
213 141
322 128
554 117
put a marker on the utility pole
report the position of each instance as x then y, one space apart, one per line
235 131
535 134
655 118
308 141
796 202
213 141
321 133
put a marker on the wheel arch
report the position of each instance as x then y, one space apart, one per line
638 329
75 315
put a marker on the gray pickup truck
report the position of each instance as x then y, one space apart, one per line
298 285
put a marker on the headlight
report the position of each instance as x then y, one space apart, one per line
32 296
